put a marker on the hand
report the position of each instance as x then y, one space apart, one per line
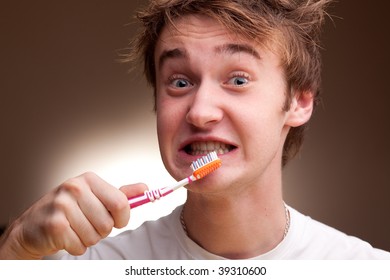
73 216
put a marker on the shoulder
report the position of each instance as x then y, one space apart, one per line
320 241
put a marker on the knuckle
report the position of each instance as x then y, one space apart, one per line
73 186
55 225
92 240
119 206
105 227
89 176
76 250
59 203
77 184
120 212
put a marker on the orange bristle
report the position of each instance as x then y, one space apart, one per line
205 165
207 169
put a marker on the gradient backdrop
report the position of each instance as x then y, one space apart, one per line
68 106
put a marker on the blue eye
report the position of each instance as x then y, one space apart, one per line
180 83
238 81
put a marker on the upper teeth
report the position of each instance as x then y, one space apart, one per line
200 148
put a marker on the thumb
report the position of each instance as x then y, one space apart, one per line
133 189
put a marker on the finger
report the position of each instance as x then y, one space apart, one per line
87 231
61 235
97 215
72 243
113 200
90 206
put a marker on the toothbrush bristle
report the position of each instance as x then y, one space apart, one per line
205 165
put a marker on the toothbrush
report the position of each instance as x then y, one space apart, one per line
200 168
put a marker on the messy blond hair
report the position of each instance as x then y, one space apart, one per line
294 25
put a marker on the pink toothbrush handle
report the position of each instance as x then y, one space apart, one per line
147 196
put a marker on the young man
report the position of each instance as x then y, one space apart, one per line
238 77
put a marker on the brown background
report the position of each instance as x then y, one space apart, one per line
63 93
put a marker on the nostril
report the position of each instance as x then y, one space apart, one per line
204 117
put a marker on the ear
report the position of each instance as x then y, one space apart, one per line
301 109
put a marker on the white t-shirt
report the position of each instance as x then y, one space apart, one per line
165 239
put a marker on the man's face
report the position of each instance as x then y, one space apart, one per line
217 91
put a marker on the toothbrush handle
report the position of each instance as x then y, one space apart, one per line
152 195
148 196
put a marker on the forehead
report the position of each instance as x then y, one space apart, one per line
193 24
201 33
193 28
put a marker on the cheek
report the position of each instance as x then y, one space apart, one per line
163 127
260 129
164 136
169 117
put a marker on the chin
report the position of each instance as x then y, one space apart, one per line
214 182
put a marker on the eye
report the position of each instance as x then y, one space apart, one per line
179 82
238 80
178 85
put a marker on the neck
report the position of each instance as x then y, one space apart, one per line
235 226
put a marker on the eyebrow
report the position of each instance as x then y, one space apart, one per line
237 48
173 53
227 48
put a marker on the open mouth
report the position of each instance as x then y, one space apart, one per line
205 147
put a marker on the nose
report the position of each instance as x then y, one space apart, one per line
205 109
